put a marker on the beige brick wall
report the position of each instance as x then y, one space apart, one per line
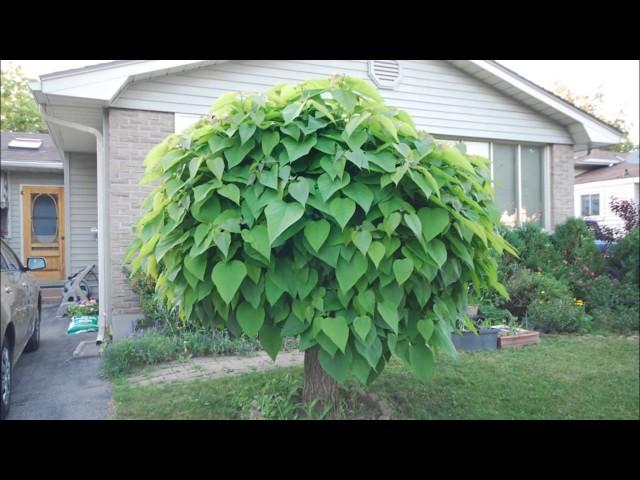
132 133
562 165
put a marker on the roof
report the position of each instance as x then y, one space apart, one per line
618 171
598 158
98 86
46 154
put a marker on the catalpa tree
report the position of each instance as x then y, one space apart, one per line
315 210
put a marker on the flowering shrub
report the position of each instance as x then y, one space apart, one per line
559 316
84 308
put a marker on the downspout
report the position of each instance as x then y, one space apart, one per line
103 313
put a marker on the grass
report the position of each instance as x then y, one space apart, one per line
565 377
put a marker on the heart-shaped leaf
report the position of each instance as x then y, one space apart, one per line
296 150
336 366
367 300
269 140
342 209
250 319
216 165
316 233
231 192
271 340
437 251
376 253
300 191
337 330
391 222
327 187
280 216
434 221
389 313
402 269
348 273
413 222
227 278
362 325
361 194
421 360
425 327
362 240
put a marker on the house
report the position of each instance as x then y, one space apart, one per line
594 189
105 118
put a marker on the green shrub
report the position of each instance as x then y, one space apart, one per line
526 287
535 247
621 319
558 316
625 256
318 210
580 259
152 348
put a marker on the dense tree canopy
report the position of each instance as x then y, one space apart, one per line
19 111
315 210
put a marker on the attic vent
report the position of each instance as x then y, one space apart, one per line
28 143
385 73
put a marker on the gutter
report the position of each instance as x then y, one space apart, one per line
103 313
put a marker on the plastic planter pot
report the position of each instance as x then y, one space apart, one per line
486 339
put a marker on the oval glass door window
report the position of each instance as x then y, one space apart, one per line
44 219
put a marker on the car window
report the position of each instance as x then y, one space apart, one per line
12 262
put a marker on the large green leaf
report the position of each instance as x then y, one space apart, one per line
300 191
327 187
250 319
280 216
227 278
362 240
361 326
402 269
336 366
231 192
437 251
361 194
434 221
316 233
296 150
389 313
196 265
349 272
421 359
269 140
271 340
216 165
342 209
337 330
376 253
238 152
260 241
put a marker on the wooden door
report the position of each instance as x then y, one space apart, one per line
43 229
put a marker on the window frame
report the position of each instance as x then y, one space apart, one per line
546 170
590 203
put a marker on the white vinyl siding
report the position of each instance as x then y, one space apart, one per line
605 191
83 201
17 178
442 99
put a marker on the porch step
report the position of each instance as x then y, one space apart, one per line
51 295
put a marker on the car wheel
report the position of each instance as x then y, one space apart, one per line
5 380
34 341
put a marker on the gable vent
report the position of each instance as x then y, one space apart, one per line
385 73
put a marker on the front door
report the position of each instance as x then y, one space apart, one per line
43 229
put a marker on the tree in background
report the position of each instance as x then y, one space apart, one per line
18 111
594 105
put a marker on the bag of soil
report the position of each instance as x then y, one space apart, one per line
82 324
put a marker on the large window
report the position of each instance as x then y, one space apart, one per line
518 178
590 205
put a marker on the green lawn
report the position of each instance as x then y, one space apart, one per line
565 377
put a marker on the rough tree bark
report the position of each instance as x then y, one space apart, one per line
317 383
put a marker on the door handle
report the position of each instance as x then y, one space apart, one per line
7 289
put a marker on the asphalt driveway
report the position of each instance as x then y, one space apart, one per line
49 384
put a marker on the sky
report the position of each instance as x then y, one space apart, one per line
618 79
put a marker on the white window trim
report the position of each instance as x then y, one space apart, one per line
183 120
590 214
8 209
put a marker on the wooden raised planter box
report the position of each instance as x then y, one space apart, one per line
518 340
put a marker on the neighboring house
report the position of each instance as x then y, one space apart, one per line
105 118
594 189
32 202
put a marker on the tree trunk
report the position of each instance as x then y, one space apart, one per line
318 384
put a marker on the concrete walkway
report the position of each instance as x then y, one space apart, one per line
215 367
52 384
